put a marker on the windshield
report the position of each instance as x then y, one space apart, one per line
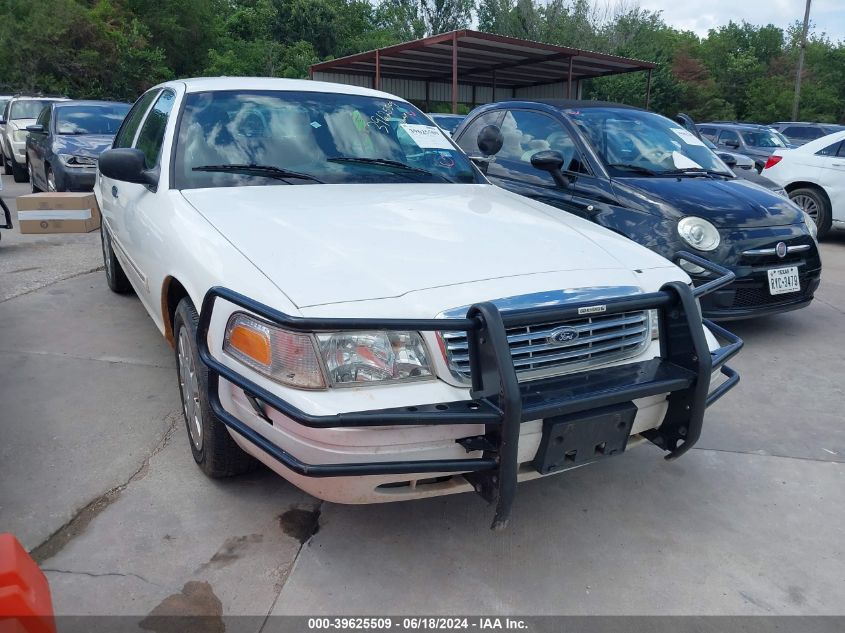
3 103
636 143
234 138
28 108
90 119
762 138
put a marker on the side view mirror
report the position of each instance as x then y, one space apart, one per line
728 159
35 129
732 143
552 162
127 164
490 140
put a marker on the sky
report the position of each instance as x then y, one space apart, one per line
701 15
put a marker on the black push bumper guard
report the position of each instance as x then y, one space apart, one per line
498 400
7 215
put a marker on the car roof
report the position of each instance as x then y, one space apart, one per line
821 142
209 84
88 102
735 126
579 104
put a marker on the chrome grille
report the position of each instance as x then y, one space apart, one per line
601 339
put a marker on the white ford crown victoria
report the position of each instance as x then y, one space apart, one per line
351 303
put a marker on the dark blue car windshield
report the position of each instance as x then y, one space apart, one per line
90 119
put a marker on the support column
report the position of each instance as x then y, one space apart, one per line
569 80
427 104
648 90
377 85
455 73
493 97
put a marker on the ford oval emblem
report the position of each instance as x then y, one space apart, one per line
562 336
780 249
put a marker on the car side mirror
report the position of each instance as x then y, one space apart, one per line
35 129
728 159
127 164
552 162
732 143
490 140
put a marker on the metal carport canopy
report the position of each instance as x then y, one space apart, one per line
473 58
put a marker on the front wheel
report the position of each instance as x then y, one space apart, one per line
18 173
32 186
213 448
816 206
115 277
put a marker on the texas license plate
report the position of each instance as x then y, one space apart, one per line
784 280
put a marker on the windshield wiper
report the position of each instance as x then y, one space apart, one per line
637 168
266 171
694 171
385 162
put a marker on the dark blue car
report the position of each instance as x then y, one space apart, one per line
646 177
67 138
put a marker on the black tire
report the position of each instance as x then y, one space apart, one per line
7 168
213 448
816 204
18 172
115 277
32 186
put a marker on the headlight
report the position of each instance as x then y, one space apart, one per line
349 358
68 160
20 135
811 225
356 357
699 233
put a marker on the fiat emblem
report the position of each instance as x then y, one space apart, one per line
780 249
562 336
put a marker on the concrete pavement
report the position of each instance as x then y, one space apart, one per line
98 479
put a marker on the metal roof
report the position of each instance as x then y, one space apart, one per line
483 59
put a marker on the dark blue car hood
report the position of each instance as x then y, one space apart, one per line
90 146
725 203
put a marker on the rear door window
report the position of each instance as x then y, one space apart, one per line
708 133
151 136
830 150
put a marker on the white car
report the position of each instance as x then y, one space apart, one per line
814 177
19 113
354 305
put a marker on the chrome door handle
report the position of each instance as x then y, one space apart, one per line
114 191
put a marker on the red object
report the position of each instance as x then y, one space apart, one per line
25 603
774 159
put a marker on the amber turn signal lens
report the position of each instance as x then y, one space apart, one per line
255 345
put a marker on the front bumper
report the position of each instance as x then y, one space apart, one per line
499 404
75 179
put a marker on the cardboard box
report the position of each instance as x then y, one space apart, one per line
58 212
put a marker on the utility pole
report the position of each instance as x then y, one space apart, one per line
801 62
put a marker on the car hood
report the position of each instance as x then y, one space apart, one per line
324 244
726 203
20 124
88 145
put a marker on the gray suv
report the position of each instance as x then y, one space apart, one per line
798 132
755 141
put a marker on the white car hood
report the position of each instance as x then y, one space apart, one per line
326 244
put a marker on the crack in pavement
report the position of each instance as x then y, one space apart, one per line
830 305
757 454
287 573
51 283
80 521
95 575
101 359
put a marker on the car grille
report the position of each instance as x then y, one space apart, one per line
753 296
601 339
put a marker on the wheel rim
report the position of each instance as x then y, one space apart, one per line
809 205
189 387
107 260
51 180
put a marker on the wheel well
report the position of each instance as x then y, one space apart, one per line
172 293
808 185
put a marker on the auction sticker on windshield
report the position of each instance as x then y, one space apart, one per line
426 136
687 137
783 280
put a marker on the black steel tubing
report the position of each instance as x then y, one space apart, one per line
721 390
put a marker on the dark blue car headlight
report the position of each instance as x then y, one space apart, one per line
69 160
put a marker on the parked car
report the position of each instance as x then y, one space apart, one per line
4 99
755 141
20 112
741 165
66 140
800 132
649 179
351 303
814 178
447 122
